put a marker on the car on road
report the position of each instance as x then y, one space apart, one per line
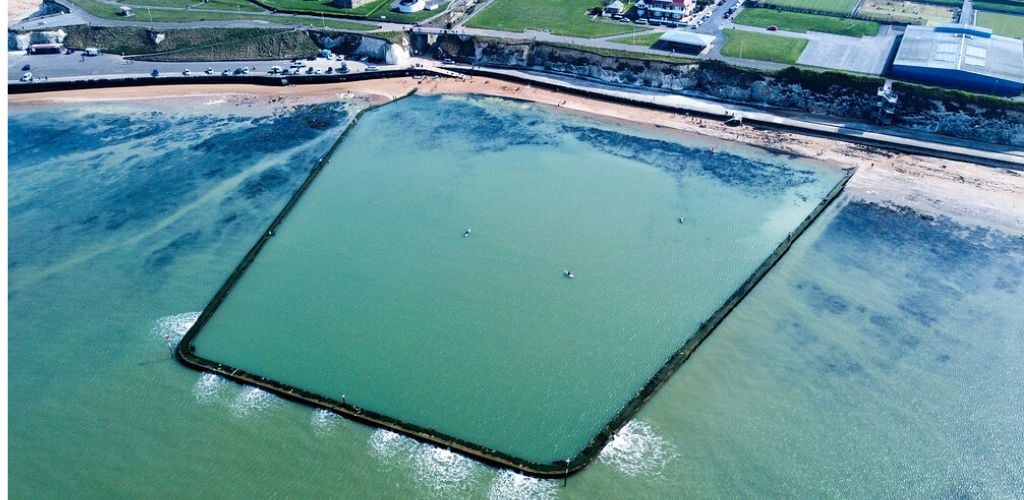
27 67
447 61
155 73
238 71
186 72
209 71
274 70
27 77
641 21
773 28
370 68
225 72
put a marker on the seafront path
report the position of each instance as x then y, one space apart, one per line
860 133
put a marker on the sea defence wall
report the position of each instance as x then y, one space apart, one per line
269 80
186 353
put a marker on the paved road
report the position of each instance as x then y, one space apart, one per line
74 66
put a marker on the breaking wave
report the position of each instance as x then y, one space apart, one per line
438 469
324 421
171 329
636 450
513 486
252 401
210 388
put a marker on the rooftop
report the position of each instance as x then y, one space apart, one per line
684 37
963 48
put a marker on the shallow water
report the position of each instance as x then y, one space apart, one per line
370 290
880 358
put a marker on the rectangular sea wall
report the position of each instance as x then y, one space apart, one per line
381 309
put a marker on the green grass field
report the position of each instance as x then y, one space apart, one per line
1002 24
763 47
840 6
799 22
907 12
644 39
107 11
562 17
325 6
1006 6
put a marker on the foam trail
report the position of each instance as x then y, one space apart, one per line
636 450
210 387
324 422
513 485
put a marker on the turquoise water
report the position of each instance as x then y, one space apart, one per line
880 358
371 289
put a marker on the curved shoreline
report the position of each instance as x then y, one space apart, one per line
971 194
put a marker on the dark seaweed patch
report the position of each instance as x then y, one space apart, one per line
734 170
166 255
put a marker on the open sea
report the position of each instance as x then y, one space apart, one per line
881 357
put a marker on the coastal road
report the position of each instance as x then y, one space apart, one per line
79 16
74 66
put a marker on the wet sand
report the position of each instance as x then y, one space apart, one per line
970 194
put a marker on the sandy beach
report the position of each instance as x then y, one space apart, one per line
18 9
969 194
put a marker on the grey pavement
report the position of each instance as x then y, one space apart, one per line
59 67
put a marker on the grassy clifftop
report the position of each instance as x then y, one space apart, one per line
198 44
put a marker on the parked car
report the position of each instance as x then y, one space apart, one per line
226 72
316 71
27 67
209 71
341 57
309 70
155 73
773 28
641 21
27 77
364 59
343 68
371 68
238 71
447 61
330 71
186 72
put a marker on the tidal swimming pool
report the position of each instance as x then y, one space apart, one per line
371 293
